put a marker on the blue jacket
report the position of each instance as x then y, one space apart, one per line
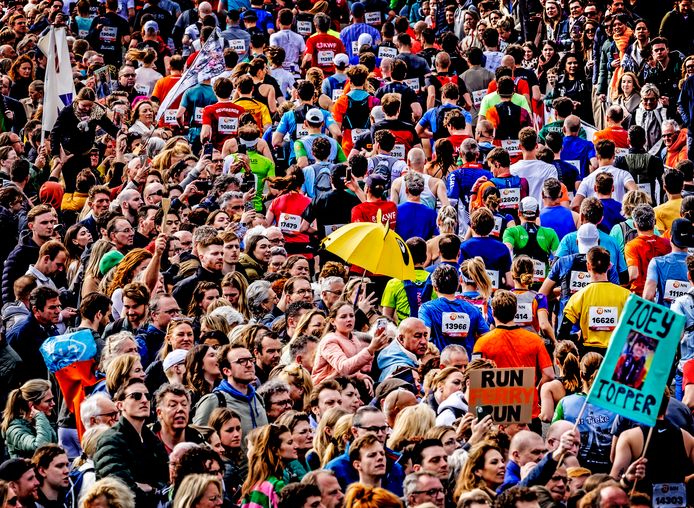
347 475
148 343
393 356
685 105
511 478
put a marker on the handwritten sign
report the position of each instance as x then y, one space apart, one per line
507 394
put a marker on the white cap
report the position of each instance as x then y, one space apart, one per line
174 358
529 207
365 39
341 60
588 237
151 26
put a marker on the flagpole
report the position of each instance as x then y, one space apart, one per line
643 454
573 429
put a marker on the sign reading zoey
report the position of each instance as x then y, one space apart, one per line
632 377
506 394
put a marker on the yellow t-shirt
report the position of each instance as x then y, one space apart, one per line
666 214
597 308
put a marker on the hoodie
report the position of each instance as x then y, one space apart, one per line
248 406
677 152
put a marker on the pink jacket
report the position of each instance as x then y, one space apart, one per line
337 356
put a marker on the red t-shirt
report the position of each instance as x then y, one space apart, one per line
522 87
161 90
366 212
223 117
287 210
688 373
323 48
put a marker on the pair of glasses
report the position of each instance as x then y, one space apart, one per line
375 429
139 395
244 361
431 492
156 193
112 414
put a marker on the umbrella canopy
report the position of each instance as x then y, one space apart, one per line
373 247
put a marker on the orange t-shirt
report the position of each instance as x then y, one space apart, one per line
616 134
161 89
639 253
515 347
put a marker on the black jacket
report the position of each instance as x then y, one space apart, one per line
26 339
24 254
10 369
183 291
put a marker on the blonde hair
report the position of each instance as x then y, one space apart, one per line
321 438
117 494
192 489
118 371
411 424
522 270
18 400
112 348
89 442
632 199
447 220
474 269
341 432
296 375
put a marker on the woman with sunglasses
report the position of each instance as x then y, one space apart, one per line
8 496
25 426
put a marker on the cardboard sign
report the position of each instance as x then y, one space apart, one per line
632 377
507 394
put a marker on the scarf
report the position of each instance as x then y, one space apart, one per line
248 398
622 44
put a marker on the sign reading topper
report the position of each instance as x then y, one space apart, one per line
506 394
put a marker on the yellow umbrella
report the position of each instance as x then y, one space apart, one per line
373 247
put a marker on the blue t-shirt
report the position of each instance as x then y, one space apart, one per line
428 120
416 219
577 149
496 257
670 267
287 125
453 322
611 214
559 218
569 174
569 245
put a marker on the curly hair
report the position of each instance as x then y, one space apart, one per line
117 493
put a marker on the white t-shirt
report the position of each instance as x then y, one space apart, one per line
535 172
620 177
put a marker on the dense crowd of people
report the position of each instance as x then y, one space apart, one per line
535 156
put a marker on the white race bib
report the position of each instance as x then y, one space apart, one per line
108 34
669 495
358 132
373 18
303 27
301 131
602 319
578 280
645 187
413 83
289 223
325 57
331 228
477 97
524 314
512 146
498 221
387 52
398 151
675 289
621 152
142 89
355 47
170 117
82 33
575 163
228 125
238 45
510 198
455 324
198 115
494 276
337 93
539 270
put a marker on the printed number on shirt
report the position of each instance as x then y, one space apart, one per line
289 223
455 324
477 97
578 280
675 289
170 117
413 83
524 313
358 132
510 198
602 319
355 47
228 125
301 131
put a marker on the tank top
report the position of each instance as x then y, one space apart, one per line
666 454
427 197
560 219
526 310
257 95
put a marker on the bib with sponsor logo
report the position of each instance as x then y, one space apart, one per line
575 163
512 146
325 57
494 276
539 270
372 18
358 132
524 314
510 198
301 131
289 223
355 47
198 115
108 34
142 89
477 97
238 45
413 83
398 151
602 319
170 117
337 93
303 27
387 52
669 495
675 289
455 324
498 221
228 125
578 280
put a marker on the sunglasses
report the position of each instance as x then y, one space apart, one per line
139 395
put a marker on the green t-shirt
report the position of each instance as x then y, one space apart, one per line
557 126
262 168
547 239
394 295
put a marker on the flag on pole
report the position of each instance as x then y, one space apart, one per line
632 377
60 87
207 64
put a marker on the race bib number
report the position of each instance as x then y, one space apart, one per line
578 281
602 319
330 228
301 131
108 33
675 289
387 52
512 146
355 47
228 125
238 45
289 223
669 495
494 276
498 221
413 83
372 18
477 97
510 198
170 117
645 187
198 115
358 132
325 57
142 89
621 152
455 324
337 93
398 151
575 163
82 33
539 270
524 314
304 27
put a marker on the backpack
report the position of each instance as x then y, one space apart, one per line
357 115
384 168
76 477
441 112
221 402
415 295
321 178
628 232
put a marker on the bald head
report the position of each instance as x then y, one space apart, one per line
416 159
508 61
572 124
526 446
396 401
205 8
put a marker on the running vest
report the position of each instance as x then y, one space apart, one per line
576 278
666 454
416 295
526 311
427 196
539 256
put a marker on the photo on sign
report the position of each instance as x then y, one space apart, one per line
635 360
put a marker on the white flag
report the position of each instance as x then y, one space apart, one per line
208 64
60 87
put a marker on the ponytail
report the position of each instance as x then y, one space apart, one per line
566 355
16 407
475 270
293 180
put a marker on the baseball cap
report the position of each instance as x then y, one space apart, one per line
174 358
365 39
341 60
314 116
682 233
358 9
378 114
529 207
151 26
588 237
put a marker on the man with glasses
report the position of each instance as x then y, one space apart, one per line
126 82
162 309
121 234
424 487
129 450
275 395
675 143
369 420
98 409
650 114
296 289
236 391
